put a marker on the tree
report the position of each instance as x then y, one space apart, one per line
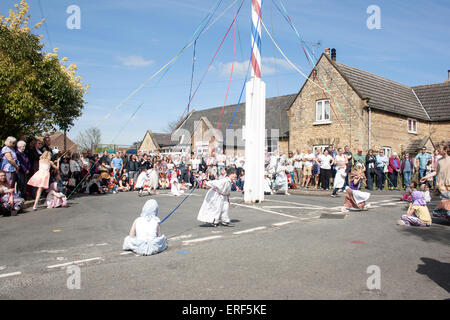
37 92
89 139
171 125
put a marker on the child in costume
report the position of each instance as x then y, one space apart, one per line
215 206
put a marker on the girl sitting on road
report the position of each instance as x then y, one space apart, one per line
55 199
418 214
145 235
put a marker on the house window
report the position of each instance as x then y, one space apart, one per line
412 126
323 111
387 151
319 147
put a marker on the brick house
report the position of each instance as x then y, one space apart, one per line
153 142
366 111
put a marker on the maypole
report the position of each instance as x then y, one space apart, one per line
255 117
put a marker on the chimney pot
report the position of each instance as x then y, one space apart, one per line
448 79
327 51
333 54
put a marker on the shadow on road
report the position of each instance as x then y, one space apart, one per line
438 232
437 271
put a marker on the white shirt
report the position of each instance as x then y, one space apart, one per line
298 164
325 161
74 166
289 166
309 159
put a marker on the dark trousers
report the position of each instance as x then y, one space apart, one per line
22 180
325 175
380 178
393 176
370 180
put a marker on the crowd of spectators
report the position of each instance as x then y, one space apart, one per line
100 173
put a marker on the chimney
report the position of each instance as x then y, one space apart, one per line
333 54
327 51
448 79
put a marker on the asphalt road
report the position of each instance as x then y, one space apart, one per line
289 247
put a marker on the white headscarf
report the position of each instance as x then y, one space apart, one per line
150 210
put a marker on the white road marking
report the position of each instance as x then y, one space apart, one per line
73 262
101 244
125 253
264 210
181 237
2 268
279 224
250 230
388 204
10 274
316 217
287 207
201 239
51 251
296 203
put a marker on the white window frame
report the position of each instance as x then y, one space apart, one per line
323 112
322 148
387 151
414 125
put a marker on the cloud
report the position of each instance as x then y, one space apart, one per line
270 66
135 61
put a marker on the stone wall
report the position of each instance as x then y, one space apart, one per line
346 127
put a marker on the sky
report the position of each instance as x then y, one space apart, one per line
121 44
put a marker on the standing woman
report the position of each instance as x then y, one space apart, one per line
24 168
442 174
316 168
371 163
326 161
75 168
10 163
341 161
154 177
41 178
393 169
133 168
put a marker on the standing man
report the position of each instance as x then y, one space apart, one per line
421 162
47 145
308 162
105 158
298 167
117 164
407 169
381 162
359 158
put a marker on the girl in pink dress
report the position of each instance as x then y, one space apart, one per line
55 199
41 178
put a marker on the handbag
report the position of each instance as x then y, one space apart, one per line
72 182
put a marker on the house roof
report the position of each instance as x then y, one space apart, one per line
57 140
276 116
164 139
384 94
436 100
417 144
